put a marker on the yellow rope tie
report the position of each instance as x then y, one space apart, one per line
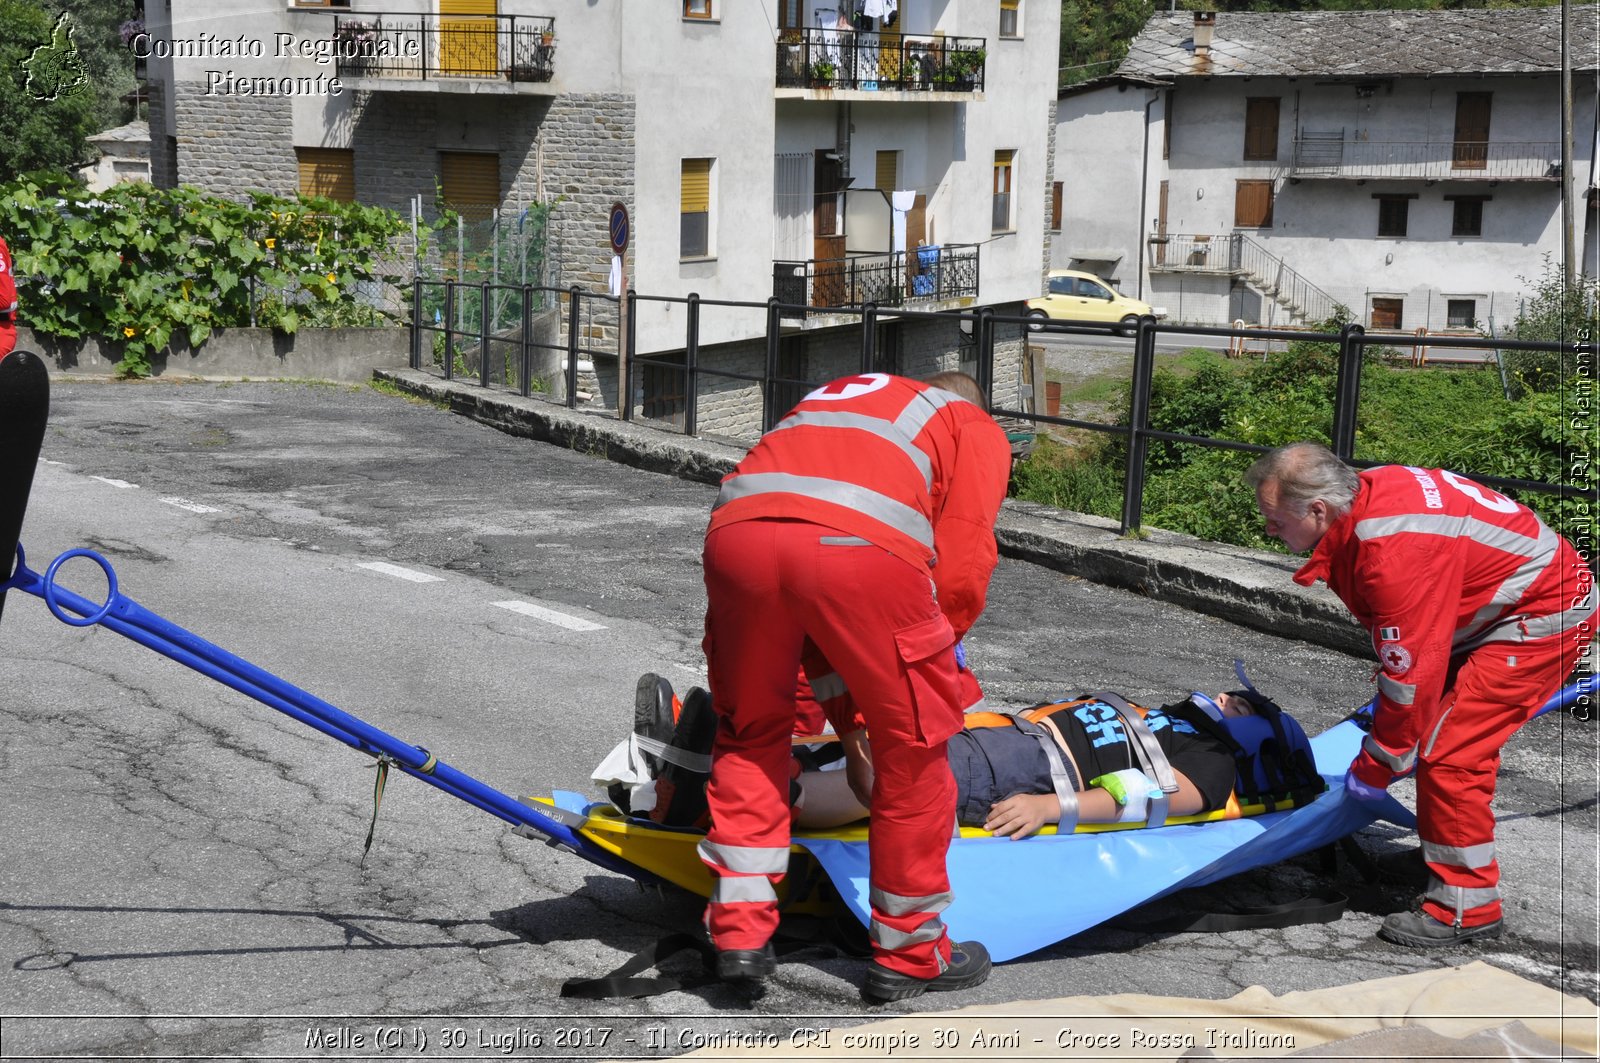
377 800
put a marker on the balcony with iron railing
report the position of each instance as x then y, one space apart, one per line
879 62
444 52
1329 155
930 274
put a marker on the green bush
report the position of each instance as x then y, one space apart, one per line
1451 418
140 265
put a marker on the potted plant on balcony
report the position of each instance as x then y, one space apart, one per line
823 71
356 45
963 65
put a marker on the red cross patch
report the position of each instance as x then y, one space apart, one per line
1395 657
851 386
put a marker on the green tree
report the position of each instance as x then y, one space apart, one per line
106 60
46 103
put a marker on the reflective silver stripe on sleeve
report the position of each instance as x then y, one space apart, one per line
1519 628
887 937
896 515
827 687
745 859
742 889
1451 528
890 431
1396 691
895 905
1471 857
1395 762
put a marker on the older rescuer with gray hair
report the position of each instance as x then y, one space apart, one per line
1478 613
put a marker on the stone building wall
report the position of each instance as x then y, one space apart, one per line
230 145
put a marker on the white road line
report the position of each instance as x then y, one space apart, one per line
550 616
121 485
401 573
192 507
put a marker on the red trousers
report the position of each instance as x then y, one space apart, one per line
8 339
1496 690
785 593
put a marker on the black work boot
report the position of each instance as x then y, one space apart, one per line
654 716
747 964
681 791
969 967
1419 930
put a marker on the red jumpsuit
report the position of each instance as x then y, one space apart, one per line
855 539
1478 613
8 302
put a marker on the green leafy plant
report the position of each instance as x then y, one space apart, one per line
143 266
824 70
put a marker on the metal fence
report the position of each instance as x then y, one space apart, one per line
511 364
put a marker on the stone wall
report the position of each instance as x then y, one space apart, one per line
231 145
340 354
586 159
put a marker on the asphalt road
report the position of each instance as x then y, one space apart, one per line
184 872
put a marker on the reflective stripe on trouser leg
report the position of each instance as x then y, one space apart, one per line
1455 900
908 842
753 654
1497 689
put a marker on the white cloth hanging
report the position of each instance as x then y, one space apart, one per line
614 282
900 202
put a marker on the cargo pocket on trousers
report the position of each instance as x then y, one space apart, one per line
928 650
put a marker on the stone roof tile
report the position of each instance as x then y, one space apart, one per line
1366 43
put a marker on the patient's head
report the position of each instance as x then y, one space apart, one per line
1234 705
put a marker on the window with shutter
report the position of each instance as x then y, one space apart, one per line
1466 215
1252 204
469 183
1003 161
1472 131
1393 214
1055 206
1387 313
887 171
694 236
1261 127
1010 18
329 172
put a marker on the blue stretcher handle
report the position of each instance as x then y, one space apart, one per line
128 618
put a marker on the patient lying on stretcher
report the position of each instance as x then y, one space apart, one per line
1091 760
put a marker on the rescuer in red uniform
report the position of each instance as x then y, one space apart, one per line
8 302
855 539
1478 613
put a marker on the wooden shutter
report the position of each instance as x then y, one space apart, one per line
696 186
1252 204
329 172
1472 131
470 183
1387 313
694 208
888 170
468 42
1055 206
1261 127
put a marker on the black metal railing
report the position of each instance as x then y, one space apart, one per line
1239 255
1328 154
845 59
515 48
676 381
895 278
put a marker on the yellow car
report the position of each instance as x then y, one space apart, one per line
1078 296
